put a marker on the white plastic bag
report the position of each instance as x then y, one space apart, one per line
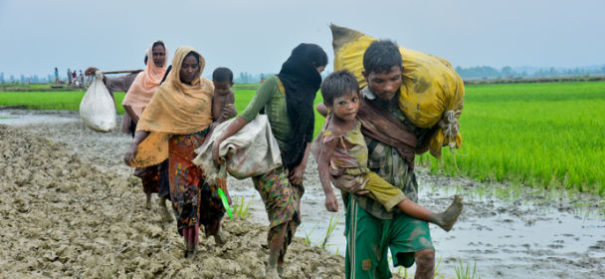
97 108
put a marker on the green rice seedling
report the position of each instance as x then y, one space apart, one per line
331 226
242 211
399 274
307 239
437 274
402 272
464 271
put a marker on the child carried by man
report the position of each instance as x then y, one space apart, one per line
343 152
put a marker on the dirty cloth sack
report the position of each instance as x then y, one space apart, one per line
252 151
97 108
431 93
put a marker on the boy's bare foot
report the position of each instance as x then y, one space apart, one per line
448 218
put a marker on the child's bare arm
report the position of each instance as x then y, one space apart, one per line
217 104
227 112
322 109
323 166
229 109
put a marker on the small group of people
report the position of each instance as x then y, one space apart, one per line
366 149
73 78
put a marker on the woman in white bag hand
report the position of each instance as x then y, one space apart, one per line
140 88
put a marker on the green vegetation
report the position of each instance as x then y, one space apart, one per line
464 271
241 210
542 134
49 100
28 86
403 272
324 243
548 135
331 226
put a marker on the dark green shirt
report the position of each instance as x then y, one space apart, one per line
271 96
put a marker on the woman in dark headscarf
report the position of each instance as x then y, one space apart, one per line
287 100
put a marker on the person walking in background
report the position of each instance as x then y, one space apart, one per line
140 87
68 76
81 78
136 100
74 78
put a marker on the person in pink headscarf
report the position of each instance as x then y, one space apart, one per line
136 100
146 83
140 87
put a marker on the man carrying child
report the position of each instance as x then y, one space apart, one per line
391 145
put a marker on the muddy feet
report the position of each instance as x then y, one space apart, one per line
164 210
190 250
271 273
448 218
148 203
219 238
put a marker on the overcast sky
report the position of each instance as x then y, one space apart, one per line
257 35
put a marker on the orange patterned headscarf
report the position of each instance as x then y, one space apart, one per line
175 109
146 83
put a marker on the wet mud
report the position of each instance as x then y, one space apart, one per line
69 207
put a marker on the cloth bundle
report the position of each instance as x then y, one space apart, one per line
432 93
252 151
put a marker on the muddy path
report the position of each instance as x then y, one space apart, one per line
78 212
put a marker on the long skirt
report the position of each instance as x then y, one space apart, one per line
193 200
282 203
154 178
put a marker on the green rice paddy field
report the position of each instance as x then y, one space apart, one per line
540 134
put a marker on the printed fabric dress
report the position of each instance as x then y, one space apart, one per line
193 200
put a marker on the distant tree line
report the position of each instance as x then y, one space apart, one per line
507 72
478 72
23 79
245 77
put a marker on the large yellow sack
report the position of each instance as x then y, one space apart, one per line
432 93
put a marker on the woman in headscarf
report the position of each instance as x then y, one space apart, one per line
137 98
175 122
140 87
287 100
